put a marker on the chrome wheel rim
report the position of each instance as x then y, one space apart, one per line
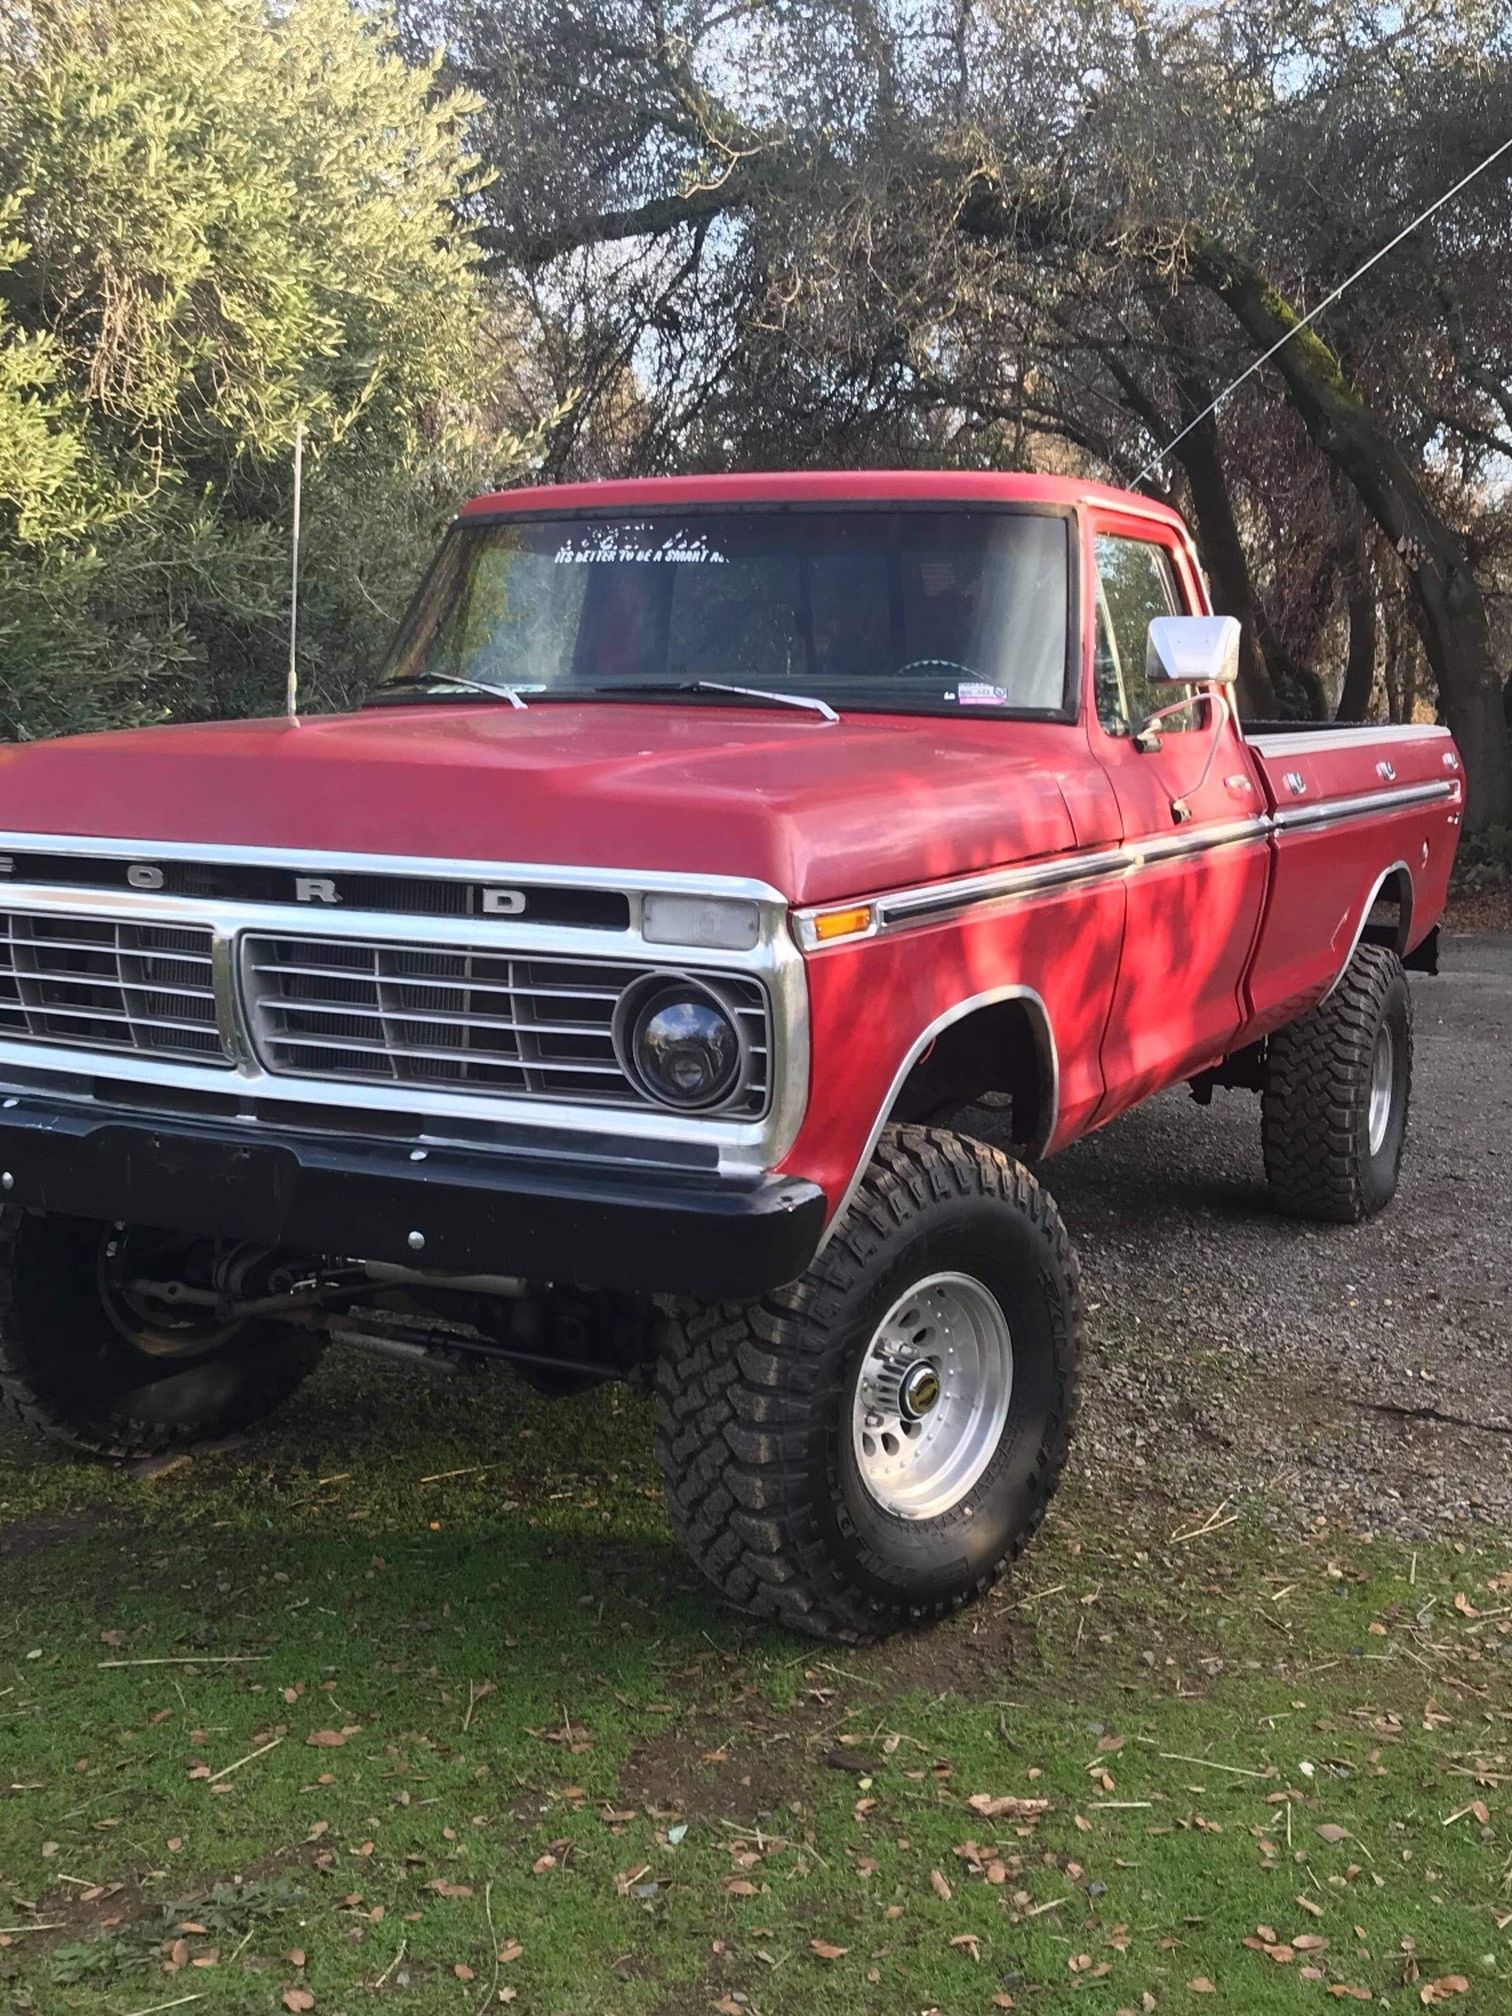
931 1396
1382 1072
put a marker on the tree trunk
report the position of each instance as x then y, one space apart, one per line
1359 665
1217 534
1447 604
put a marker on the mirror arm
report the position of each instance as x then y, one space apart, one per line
1145 738
1181 809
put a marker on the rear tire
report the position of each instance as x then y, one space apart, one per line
70 1367
828 1463
1338 1085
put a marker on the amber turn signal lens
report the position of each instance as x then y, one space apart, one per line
842 923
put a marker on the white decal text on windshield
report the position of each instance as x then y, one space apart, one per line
633 544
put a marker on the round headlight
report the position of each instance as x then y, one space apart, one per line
679 1043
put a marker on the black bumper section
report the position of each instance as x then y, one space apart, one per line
643 1230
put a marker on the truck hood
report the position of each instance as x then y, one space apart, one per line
819 811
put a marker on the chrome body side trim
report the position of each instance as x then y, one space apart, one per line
935 902
931 901
1049 1063
1334 811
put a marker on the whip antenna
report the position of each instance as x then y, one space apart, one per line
1327 302
291 690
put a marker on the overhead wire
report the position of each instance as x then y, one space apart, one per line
1328 300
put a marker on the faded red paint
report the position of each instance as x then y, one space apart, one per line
1145 978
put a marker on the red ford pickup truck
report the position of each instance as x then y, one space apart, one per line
600 996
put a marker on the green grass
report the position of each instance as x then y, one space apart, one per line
553 1741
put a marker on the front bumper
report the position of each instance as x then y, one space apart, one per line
452 1209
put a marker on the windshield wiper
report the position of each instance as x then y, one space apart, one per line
820 707
439 682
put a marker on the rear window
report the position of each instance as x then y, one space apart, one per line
910 609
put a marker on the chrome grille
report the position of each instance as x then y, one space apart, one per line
104 985
463 1018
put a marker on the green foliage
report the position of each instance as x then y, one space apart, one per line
225 220
1484 860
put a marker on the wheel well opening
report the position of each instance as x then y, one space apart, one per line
1389 919
1000 1056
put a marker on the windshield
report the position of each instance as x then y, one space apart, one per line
909 609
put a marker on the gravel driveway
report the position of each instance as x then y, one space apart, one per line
1360 1374
1364 1373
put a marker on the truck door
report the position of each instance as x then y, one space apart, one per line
1191 818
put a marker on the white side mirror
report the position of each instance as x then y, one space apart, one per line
1193 651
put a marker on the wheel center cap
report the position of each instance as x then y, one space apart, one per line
920 1390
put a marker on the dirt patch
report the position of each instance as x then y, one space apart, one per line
47 1529
744 1766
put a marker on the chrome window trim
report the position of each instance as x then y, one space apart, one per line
744 1147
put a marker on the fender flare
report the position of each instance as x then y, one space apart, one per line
1048 1058
1404 933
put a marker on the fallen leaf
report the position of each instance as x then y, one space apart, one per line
462 1971
1200 1985
510 1950
1007 1806
970 1942
1444 1987
444 1889
939 1886
331 1739
298 1999
295 1956
1343 1988
1333 1833
1273 1949
1308 1905
826 1951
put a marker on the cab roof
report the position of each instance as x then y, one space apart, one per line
826 486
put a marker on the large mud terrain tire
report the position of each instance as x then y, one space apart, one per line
73 1365
1338 1082
869 1447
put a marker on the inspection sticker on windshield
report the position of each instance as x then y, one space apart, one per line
977 693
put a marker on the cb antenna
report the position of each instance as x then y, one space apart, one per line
1327 302
291 689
